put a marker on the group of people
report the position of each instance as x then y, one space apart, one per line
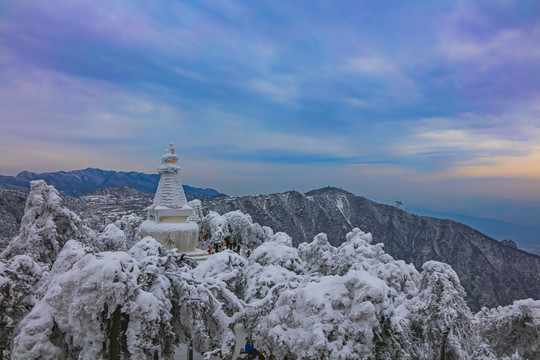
228 243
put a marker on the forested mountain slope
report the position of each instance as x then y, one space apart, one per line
491 273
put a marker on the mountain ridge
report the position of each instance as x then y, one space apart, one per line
442 217
493 274
525 236
80 182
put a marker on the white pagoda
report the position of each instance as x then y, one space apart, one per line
168 215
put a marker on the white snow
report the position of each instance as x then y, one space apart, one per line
155 227
64 288
46 226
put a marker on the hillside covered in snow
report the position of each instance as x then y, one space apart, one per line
69 292
491 272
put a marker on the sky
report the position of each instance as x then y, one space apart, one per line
432 103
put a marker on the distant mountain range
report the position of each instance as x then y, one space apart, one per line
493 273
80 182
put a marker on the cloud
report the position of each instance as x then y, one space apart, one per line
369 65
281 89
357 102
494 51
471 145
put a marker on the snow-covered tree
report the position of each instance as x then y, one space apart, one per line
512 331
350 305
93 308
130 224
216 226
196 316
135 305
111 239
318 255
335 317
245 230
96 299
270 267
18 279
197 217
237 225
225 268
440 316
46 226
212 306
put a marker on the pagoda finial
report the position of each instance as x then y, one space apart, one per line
169 159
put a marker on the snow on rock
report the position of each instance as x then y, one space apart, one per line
46 226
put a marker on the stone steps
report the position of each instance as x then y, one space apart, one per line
199 255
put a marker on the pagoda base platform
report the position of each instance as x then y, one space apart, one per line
182 236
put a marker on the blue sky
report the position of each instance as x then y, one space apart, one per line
428 102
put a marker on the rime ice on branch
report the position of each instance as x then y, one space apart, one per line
46 226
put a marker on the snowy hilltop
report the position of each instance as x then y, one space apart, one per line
67 292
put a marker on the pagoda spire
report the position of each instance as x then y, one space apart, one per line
170 192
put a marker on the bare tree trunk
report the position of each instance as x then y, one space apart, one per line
190 351
115 345
443 345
